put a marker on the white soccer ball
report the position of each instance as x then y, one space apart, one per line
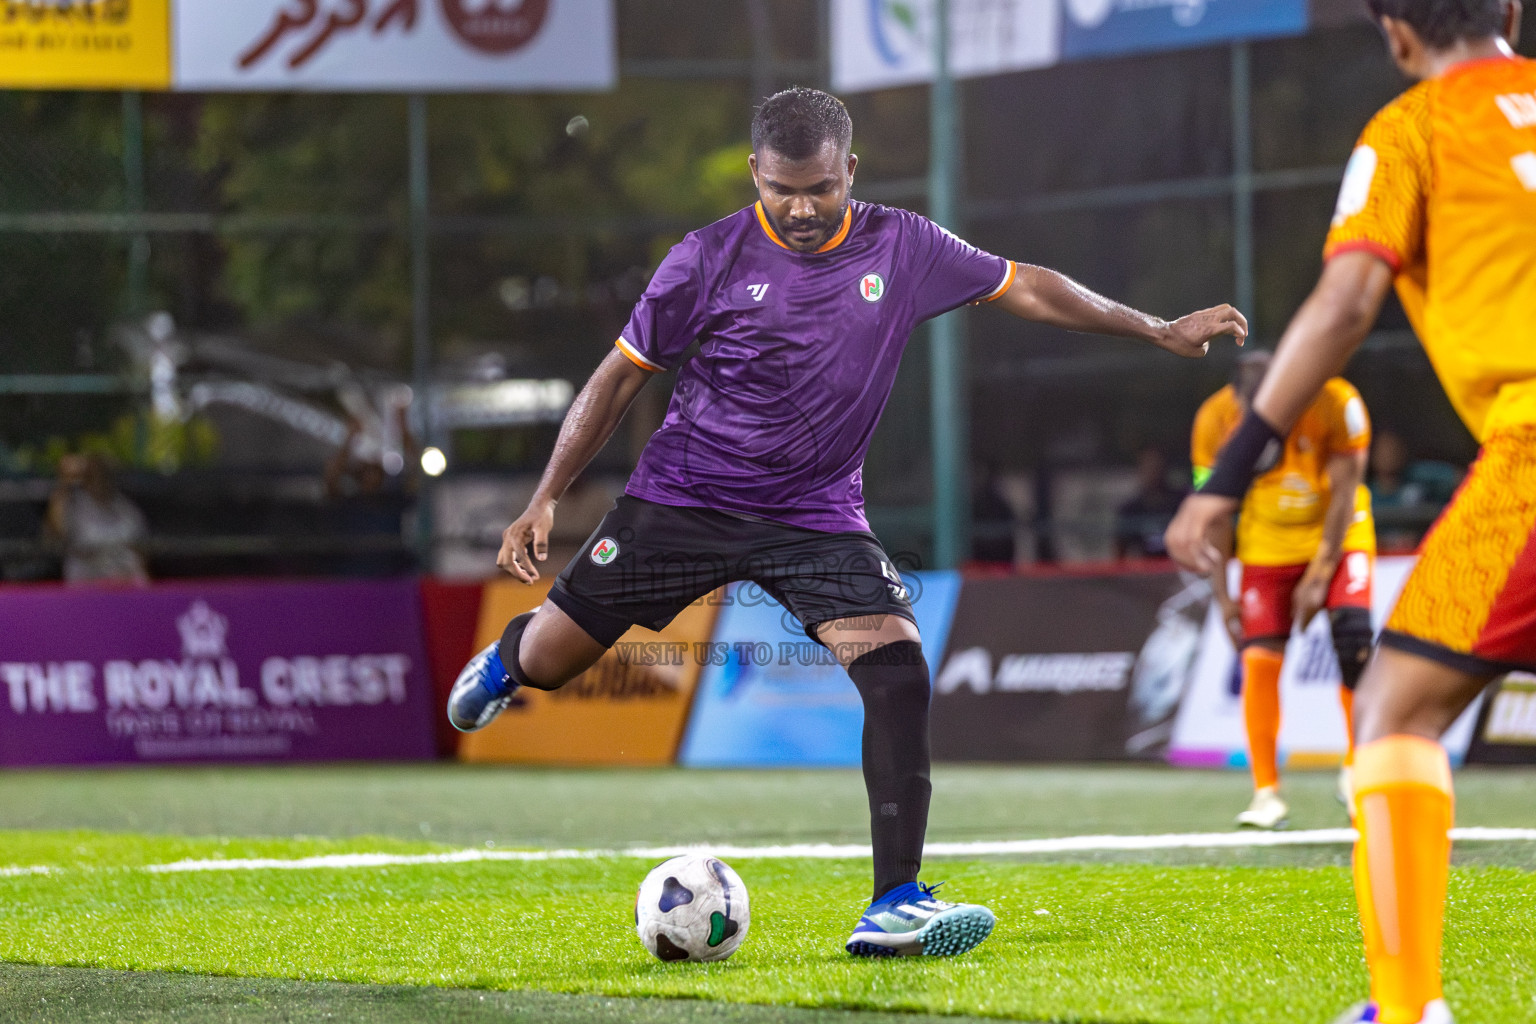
692 908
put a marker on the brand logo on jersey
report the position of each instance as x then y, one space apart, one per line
1357 572
872 288
894 582
1525 169
605 551
1519 107
1355 191
758 291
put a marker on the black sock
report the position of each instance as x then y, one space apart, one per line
893 682
1352 638
511 638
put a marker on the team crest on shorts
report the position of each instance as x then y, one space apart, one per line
605 551
872 288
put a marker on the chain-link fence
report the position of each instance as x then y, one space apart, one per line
229 294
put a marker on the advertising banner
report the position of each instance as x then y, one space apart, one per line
1066 667
395 45
85 44
880 43
1097 28
772 697
450 613
1209 729
877 44
213 672
1506 731
629 708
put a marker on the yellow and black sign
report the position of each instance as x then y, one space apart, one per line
629 708
83 44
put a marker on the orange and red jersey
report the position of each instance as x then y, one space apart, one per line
1442 186
1281 522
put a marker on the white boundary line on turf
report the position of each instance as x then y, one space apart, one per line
829 851
807 851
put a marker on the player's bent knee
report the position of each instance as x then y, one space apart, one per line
512 657
1352 639
892 674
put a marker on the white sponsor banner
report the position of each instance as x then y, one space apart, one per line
1209 726
394 45
880 43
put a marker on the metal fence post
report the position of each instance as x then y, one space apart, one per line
1242 180
421 322
136 299
951 494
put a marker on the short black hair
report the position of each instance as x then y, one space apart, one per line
797 122
1443 23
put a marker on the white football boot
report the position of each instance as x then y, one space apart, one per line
1267 810
1435 1012
1346 790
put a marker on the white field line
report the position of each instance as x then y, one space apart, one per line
808 851
829 851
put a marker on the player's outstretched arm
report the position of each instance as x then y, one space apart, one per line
1052 298
1321 337
590 422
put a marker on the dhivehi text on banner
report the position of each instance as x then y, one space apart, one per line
881 43
771 696
395 45
85 44
254 671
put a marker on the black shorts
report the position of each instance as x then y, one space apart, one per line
647 562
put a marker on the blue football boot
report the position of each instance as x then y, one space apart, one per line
482 691
908 921
1435 1012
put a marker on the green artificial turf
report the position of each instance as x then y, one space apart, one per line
77 995
475 804
1122 943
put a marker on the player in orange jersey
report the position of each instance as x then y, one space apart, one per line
1306 542
1440 196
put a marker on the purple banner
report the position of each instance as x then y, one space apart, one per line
213 672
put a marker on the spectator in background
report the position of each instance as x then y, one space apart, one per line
1407 495
369 504
99 529
1397 482
1140 522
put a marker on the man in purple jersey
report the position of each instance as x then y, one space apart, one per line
801 305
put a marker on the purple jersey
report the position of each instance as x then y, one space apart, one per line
797 356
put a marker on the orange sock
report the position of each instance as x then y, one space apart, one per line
1347 702
1261 713
1403 805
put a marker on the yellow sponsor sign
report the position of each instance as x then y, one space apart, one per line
629 708
85 44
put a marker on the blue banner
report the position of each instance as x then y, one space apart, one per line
1096 28
769 696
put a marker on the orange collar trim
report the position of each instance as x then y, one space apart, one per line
1477 62
831 243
